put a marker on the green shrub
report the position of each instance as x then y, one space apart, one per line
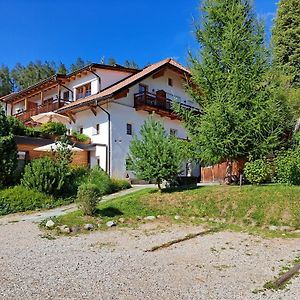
16 126
46 176
100 178
257 171
88 197
79 175
287 167
120 184
80 137
33 132
53 128
19 198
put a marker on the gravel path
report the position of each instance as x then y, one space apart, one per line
113 264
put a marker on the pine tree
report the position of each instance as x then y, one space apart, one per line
241 114
131 64
6 85
286 40
111 61
155 155
8 151
25 76
79 64
62 69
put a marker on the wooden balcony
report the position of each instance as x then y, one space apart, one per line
25 116
159 104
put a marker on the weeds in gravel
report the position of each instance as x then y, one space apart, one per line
269 285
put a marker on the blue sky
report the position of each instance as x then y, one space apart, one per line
62 30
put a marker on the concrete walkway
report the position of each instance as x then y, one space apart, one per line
62 210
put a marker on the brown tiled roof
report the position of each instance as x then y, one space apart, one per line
126 83
56 77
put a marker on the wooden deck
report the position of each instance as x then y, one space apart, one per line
159 104
46 107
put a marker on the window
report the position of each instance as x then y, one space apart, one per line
129 129
84 91
66 95
143 88
97 128
80 130
170 82
98 162
173 132
88 90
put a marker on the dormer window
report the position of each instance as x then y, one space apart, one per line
83 91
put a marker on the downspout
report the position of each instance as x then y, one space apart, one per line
99 78
108 161
67 89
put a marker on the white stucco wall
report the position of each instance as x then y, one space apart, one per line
122 111
121 115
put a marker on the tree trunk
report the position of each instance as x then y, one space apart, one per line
159 185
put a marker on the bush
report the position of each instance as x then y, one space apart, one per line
53 128
119 184
33 132
287 167
80 137
100 178
16 126
19 198
87 197
257 171
79 175
47 176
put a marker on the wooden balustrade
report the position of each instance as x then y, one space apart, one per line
159 103
46 107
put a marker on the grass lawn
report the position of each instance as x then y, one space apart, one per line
250 206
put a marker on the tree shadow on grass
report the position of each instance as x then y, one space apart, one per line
109 212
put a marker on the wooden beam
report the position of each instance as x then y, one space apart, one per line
158 74
26 103
71 116
93 109
42 96
122 94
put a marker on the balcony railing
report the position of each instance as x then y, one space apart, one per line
46 107
158 102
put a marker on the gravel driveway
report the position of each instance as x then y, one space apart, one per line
113 264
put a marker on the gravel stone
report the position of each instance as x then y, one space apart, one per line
64 229
150 218
50 224
111 224
88 226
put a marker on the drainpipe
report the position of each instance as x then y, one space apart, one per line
67 89
108 160
99 78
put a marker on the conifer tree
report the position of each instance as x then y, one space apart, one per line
62 69
8 151
242 115
79 64
286 40
6 85
155 155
